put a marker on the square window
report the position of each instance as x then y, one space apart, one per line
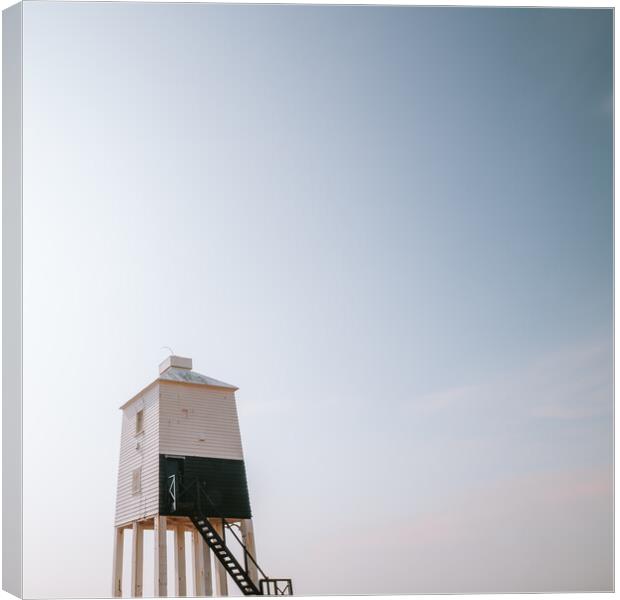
140 421
136 481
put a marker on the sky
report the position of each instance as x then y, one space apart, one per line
391 227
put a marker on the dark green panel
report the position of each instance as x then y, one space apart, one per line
222 479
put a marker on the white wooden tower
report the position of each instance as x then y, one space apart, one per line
181 468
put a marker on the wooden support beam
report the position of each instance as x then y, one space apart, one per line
207 569
199 581
161 563
221 583
203 571
117 563
203 576
137 560
247 536
179 561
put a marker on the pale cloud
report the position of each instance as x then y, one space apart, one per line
542 532
574 383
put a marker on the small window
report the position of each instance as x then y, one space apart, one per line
136 481
140 421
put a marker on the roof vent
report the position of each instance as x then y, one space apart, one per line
179 362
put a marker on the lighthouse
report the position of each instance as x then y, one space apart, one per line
181 469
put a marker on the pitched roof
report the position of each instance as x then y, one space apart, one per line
177 375
187 376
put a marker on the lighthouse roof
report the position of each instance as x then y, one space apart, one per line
179 370
187 376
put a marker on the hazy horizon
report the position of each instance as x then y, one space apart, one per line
391 227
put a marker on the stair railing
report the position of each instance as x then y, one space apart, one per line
200 491
267 586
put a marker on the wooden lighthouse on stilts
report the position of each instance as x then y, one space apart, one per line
181 469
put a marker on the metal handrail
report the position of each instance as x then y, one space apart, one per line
266 585
201 491
246 552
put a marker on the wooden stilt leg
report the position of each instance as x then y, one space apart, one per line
179 561
221 583
137 560
247 535
117 565
199 581
161 564
203 579
208 571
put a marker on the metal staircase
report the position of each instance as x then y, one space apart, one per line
226 557
265 586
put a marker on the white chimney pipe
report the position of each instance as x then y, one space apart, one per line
179 362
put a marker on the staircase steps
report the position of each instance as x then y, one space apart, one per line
226 557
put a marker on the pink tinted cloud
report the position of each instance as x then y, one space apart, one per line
574 383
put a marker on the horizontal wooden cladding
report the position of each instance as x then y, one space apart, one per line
224 480
198 421
139 451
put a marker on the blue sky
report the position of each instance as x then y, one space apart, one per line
390 227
